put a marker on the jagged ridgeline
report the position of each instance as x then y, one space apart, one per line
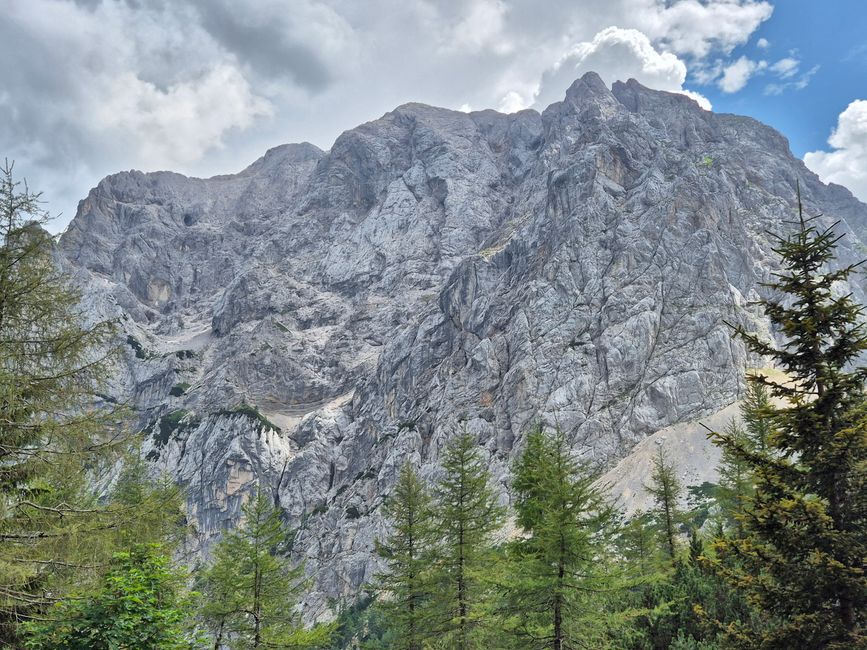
313 321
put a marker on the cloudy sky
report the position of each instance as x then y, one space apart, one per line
90 87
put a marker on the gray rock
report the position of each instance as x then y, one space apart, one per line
438 270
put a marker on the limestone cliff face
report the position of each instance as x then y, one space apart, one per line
314 321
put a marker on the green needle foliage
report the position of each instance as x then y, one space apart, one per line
757 411
665 488
407 585
250 591
801 558
559 576
466 513
56 434
737 481
141 605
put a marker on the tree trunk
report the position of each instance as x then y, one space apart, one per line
558 608
462 593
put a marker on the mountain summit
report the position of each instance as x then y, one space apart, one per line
319 318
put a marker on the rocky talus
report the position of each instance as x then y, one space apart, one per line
311 323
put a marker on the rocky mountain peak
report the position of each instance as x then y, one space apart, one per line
320 318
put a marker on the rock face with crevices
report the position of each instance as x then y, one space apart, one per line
320 318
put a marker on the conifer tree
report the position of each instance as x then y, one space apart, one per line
756 412
56 433
638 544
466 513
250 592
802 555
141 603
406 586
735 480
736 484
665 488
558 577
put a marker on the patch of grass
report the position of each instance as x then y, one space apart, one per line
488 253
253 413
179 389
707 161
185 354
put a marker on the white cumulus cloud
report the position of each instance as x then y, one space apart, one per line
617 54
846 164
178 124
695 28
736 75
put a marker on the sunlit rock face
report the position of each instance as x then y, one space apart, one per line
320 318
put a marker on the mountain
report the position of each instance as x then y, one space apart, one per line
318 319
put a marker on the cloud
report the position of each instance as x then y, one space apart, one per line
736 75
706 72
177 124
512 102
617 54
696 28
794 83
786 68
205 86
763 44
303 44
481 27
846 164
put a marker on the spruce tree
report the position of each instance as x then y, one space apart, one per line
665 488
250 592
558 577
802 556
466 513
406 588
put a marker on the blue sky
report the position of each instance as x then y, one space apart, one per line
203 87
831 34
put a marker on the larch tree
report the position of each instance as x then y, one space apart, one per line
736 479
250 591
406 585
466 513
56 432
558 578
666 490
801 558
